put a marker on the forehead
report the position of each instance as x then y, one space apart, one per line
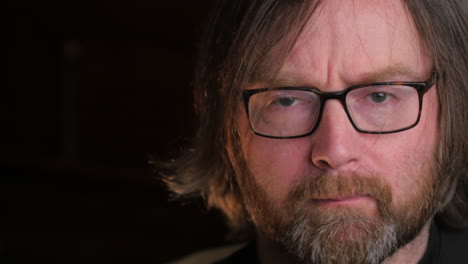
351 40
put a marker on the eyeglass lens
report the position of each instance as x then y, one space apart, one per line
287 113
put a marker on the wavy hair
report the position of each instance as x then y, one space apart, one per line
235 46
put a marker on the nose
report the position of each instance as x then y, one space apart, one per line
335 142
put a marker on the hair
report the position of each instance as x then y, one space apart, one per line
236 43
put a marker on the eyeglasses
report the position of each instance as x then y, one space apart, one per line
375 108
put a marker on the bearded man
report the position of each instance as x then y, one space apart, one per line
334 131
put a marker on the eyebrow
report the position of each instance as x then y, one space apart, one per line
391 71
386 73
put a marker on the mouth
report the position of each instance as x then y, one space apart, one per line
342 200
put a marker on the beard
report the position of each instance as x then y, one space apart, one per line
340 234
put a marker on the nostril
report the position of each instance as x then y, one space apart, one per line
322 164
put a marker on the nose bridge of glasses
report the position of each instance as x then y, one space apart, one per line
340 96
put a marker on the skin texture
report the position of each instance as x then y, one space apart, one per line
343 44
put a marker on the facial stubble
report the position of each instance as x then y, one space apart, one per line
340 234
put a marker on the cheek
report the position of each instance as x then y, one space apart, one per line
409 155
275 164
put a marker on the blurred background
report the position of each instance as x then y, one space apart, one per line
94 88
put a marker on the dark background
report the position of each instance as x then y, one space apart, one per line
93 89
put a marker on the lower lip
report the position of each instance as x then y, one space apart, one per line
348 201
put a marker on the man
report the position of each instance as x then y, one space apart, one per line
334 131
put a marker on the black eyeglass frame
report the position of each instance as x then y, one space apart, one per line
421 87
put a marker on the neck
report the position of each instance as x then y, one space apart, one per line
272 253
413 251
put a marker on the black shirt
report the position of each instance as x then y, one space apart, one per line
446 246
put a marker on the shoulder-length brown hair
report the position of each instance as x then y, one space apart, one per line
235 45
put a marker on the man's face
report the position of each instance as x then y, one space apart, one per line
370 186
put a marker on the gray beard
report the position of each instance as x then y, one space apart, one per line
341 240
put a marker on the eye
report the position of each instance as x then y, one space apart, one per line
285 101
379 97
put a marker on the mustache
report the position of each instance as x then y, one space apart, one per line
331 186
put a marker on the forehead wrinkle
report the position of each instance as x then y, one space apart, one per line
392 72
321 37
267 72
305 65
363 28
398 24
405 25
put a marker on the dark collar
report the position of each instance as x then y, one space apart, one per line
247 254
432 254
